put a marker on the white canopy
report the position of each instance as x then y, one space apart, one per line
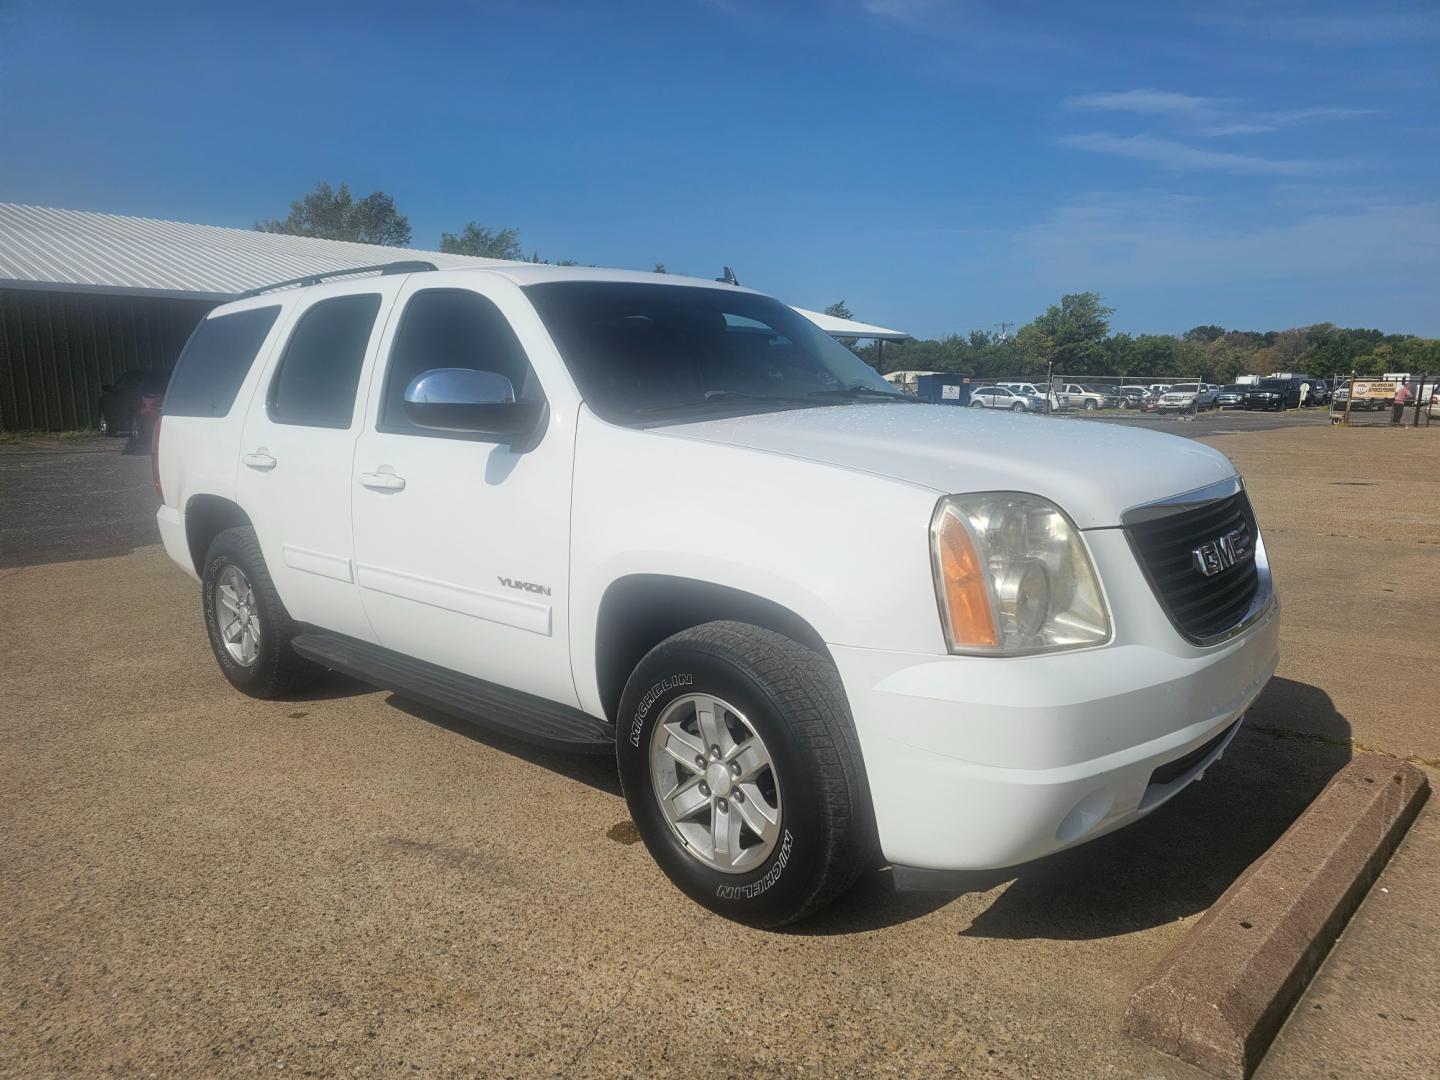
837 327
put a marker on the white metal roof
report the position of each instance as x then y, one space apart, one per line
89 252
81 251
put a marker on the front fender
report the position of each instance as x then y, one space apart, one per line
846 552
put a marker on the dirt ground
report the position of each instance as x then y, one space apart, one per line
348 885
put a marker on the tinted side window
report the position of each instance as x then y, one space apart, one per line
215 362
315 384
451 328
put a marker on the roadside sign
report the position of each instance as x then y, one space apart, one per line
1373 388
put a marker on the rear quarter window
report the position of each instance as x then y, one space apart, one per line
215 362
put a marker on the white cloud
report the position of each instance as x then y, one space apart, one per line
1182 157
1115 241
1208 116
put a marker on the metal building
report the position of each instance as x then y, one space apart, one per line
86 296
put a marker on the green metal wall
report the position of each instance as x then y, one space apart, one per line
57 349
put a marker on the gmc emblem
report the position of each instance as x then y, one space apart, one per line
1223 552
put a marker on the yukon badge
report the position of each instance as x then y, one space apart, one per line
524 586
1223 552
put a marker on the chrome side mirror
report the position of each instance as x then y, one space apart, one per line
471 401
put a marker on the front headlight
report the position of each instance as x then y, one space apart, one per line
1012 576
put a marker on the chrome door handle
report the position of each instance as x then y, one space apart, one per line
259 460
382 481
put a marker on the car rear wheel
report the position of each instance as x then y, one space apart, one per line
249 629
977 405
742 772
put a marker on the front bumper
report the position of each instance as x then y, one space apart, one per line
979 763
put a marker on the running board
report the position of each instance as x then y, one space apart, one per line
509 712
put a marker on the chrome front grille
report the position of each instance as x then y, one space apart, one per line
1203 557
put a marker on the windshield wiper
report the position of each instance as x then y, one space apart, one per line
720 397
859 390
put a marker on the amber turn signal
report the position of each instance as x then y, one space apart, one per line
964 591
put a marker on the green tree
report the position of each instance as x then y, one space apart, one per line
1034 350
535 258
483 242
839 310
1076 329
333 214
1204 333
659 269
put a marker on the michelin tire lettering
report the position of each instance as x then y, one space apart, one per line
643 709
755 888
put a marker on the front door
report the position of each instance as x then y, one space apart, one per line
461 542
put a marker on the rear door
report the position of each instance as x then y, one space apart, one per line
462 541
298 446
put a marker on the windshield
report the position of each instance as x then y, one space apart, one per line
1184 388
638 351
1231 389
1273 384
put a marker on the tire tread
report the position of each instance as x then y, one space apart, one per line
818 713
282 671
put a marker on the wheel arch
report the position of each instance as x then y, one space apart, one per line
206 517
639 611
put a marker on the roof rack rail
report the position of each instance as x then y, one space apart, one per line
405 267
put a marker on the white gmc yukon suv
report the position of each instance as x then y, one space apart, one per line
817 622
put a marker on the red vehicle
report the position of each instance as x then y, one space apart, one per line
123 402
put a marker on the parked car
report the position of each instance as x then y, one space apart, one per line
142 431
1231 396
1088 397
1000 397
1320 392
122 401
1131 397
818 622
1274 394
1058 402
1159 387
1188 397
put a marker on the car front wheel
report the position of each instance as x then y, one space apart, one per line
742 772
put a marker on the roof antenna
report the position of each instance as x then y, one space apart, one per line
729 277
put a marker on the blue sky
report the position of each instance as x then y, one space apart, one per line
939 165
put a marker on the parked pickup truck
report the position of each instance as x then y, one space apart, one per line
1087 397
818 623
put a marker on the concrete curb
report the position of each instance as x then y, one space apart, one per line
1222 993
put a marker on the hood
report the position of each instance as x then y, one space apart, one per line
1093 471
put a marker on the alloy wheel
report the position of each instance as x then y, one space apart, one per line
716 783
237 615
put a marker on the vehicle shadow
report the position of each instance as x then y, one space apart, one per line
331 686
595 771
1174 863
